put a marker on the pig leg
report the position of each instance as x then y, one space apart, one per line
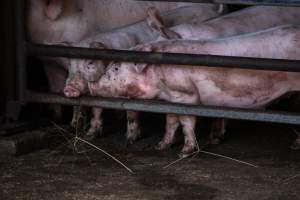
96 124
190 143
79 119
133 129
156 23
218 130
172 123
76 116
56 76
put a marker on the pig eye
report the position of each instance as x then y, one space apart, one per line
91 62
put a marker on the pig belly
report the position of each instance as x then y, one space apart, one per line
242 89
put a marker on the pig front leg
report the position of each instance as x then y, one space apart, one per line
217 131
79 118
172 123
190 143
188 125
133 129
95 125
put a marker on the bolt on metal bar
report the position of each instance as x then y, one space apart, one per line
165 58
164 107
242 2
20 50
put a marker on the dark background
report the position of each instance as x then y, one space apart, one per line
7 59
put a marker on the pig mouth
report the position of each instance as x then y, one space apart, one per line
93 77
92 88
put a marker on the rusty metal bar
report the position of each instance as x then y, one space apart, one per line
165 58
163 107
242 2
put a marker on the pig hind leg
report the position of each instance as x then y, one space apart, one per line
95 125
172 123
133 128
190 143
217 131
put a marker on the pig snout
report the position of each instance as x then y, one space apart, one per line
70 91
75 86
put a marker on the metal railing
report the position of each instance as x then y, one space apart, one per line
25 49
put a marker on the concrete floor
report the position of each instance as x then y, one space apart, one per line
60 173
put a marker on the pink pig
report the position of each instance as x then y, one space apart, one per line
206 85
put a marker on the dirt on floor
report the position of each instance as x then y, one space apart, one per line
59 172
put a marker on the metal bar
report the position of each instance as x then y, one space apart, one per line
165 58
20 51
163 107
242 2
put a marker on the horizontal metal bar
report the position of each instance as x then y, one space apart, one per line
165 58
164 107
242 2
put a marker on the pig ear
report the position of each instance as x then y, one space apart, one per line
154 19
54 9
155 22
97 45
222 8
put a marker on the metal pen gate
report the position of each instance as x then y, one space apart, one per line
25 48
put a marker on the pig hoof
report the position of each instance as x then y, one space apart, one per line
73 124
130 140
187 154
215 141
183 155
90 136
188 151
162 146
71 92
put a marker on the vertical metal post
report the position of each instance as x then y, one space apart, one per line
21 56
13 107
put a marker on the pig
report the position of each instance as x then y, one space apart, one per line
122 38
248 20
51 21
230 87
73 20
